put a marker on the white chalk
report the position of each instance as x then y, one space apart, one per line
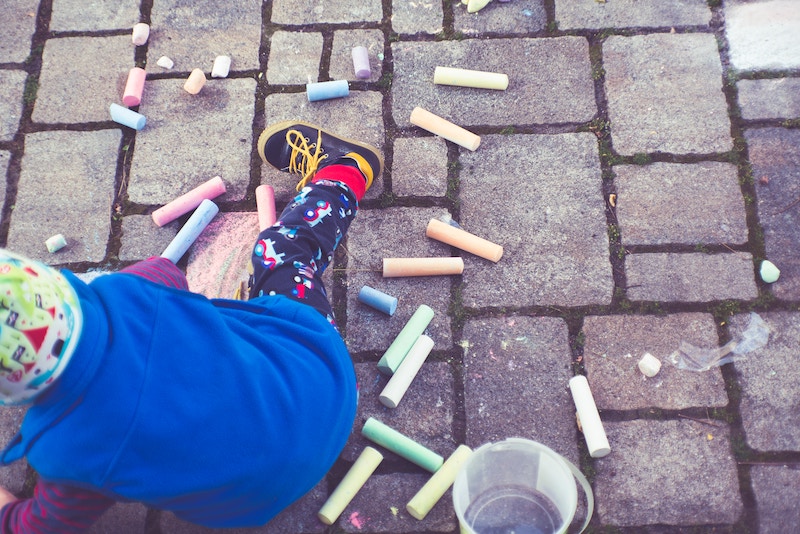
356 477
55 243
140 33
190 231
165 62
649 365
361 62
222 65
593 432
397 386
427 497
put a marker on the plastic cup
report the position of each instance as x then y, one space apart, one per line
515 485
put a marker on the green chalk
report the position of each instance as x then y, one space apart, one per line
401 445
414 328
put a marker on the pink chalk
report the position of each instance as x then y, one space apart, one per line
265 202
185 203
134 87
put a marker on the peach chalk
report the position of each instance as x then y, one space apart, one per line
189 201
470 78
395 267
195 82
444 128
134 87
464 240
265 202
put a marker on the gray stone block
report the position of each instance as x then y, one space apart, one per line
81 77
774 487
549 81
519 17
516 371
122 517
141 238
663 203
12 477
671 277
767 377
424 16
776 170
294 57
323 11
631 13
5 157
664 94
419 167
667 472
77 15
66 186
341 67
540 197
763 35
777 98
12 89
19 25
189 139
614 345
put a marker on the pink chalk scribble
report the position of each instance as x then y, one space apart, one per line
356 521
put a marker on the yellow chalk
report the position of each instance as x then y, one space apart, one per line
362 469
470 78
427 497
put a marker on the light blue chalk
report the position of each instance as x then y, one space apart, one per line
127 117
378 300
327 90
190 231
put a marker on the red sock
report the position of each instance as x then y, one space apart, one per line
349 176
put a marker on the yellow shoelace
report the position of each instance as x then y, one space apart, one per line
305 166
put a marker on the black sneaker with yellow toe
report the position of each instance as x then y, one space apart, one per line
304 149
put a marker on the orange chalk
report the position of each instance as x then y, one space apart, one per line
444 128
265 201
396 267
195 82
464 240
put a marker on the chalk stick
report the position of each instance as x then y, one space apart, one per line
593 432
444 128
401 445
361 62
327 90
195 82
397 386
140 33
429 494
413 328
473 6
464 240
55 243
190 231
189 201
470 78
356 477
221 68
378 300
395 267
265 203
132 96
127 117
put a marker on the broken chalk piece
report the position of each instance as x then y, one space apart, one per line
444 128
356 477
378 300
127 117
190 231
592 426
429 494
327 90
649 365
769 272
361 62
446 265
134 87
55 243
165 62
195 82
473 6
265 204
401 445
394 391
470 78
140 33
189 201
221 68
397 351
464 240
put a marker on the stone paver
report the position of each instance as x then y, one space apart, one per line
316 11
18 28
12 89
77 15
419 167
632 13
341 67
141 238
5 158
763 35
422 16
521 18
770 99
773 486
294 57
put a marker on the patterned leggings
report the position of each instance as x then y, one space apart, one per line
290 256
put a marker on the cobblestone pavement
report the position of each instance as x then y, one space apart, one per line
640 166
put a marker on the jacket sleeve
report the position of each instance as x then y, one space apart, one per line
159 270
54 508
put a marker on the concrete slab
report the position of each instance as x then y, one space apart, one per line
776 171
341 67
520 17
540 197
672 277
774 98
18 28
549 81
663 203
72 86
294 57
766 377
419 167
141 238
12 90
664 94
423 16
76 15
631 14
323 11
66 186
667 472
189 139
763 35
192 34
773 486
615 344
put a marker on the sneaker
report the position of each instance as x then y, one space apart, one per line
303 149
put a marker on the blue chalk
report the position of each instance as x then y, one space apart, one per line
326 90
190 231
378 300
127 117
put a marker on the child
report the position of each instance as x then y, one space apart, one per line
223 412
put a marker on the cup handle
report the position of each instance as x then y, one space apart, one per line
587 489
